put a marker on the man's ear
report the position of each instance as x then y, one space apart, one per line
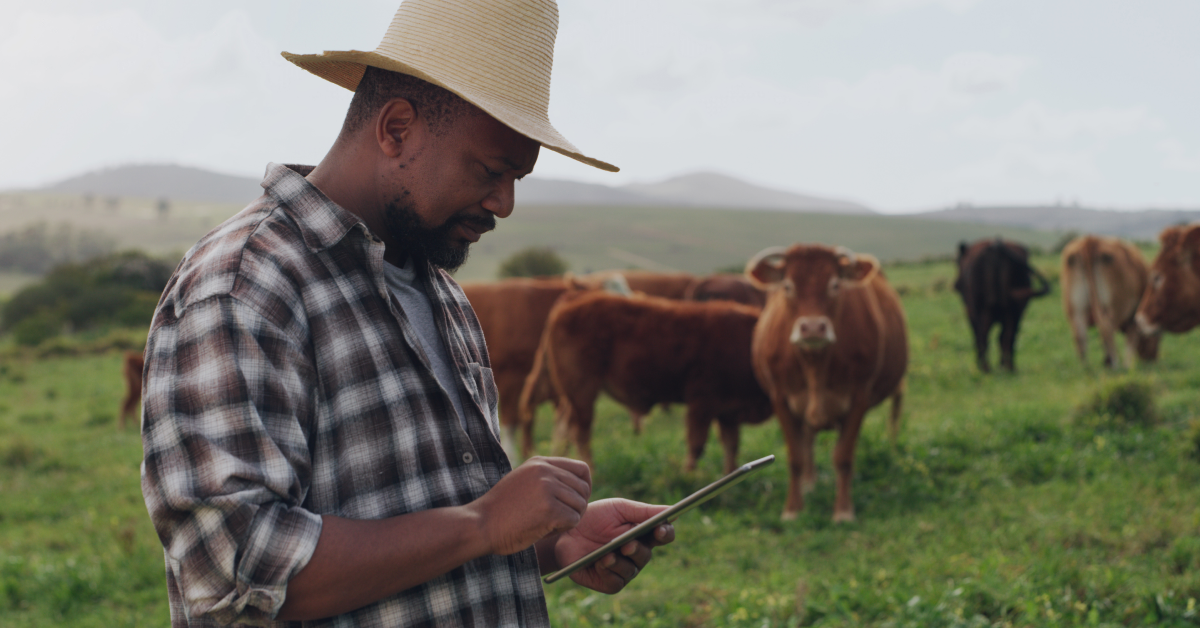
394 125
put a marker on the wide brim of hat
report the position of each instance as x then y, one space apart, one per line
346 68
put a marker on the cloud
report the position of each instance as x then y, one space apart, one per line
1034 121
1177 157
94 90
817 12
1024 164
962 79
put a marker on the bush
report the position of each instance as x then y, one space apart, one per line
1191 440
533 262
117 290
1120 402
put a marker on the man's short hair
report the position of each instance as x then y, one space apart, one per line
440 107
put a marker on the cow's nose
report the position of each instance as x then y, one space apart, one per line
813 332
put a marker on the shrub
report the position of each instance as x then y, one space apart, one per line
117 290
1120 402
533 262
1191 440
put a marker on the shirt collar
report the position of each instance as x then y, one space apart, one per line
322 222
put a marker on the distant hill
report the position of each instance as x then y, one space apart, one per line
163 181
1140 225
711 189
702 189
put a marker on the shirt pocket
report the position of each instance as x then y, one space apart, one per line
486 395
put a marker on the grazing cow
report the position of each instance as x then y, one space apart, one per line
725 287
132 369
646 351
830 345
1172 300
995 281
1102 282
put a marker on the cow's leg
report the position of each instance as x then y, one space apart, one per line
127 407
581 431
1008 340
730 434
981 325
560 442
1079 329
843 463
637 418
699 420
791 428
509 420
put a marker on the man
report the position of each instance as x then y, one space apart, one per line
320 424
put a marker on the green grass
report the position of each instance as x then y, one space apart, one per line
997 506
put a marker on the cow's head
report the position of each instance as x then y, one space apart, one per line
809 280
1172 299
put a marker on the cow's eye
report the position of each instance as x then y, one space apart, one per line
1156 280
789 288
834 283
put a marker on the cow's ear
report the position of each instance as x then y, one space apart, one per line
962 250
864 268
766 269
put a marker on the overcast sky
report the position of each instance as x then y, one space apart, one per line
903 105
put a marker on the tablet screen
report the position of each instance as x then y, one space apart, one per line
668 515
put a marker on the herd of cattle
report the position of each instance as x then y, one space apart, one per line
811 334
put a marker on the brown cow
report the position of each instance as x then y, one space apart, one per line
646 351
512 314
1103 280
830 345
995 281
725 287
1172 300
132 369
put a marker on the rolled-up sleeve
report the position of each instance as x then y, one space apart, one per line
229 401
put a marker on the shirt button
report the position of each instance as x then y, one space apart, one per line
468 457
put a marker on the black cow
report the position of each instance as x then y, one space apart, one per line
995 281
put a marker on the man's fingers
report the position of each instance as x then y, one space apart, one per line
577 468
621 567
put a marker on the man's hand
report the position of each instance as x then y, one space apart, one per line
542 497
604 520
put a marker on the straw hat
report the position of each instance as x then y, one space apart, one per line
495 54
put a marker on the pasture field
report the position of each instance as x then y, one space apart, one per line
997 507
589 238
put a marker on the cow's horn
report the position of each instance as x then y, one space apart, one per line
766 268
842 251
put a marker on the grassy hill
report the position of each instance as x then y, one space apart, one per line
696 240
998 507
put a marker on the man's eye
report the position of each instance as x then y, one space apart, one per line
491 173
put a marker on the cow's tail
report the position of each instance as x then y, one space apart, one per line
897 404
1024 294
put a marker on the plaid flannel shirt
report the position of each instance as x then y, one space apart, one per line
282 383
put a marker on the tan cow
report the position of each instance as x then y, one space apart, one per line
131 368
831 344
1172 300
1103 280
646 351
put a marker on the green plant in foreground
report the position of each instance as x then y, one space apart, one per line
1121 402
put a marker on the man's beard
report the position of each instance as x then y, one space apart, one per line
431 244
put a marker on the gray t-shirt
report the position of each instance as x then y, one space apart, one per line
409 291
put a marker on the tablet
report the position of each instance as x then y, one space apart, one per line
669 515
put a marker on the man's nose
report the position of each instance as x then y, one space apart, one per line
502 198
